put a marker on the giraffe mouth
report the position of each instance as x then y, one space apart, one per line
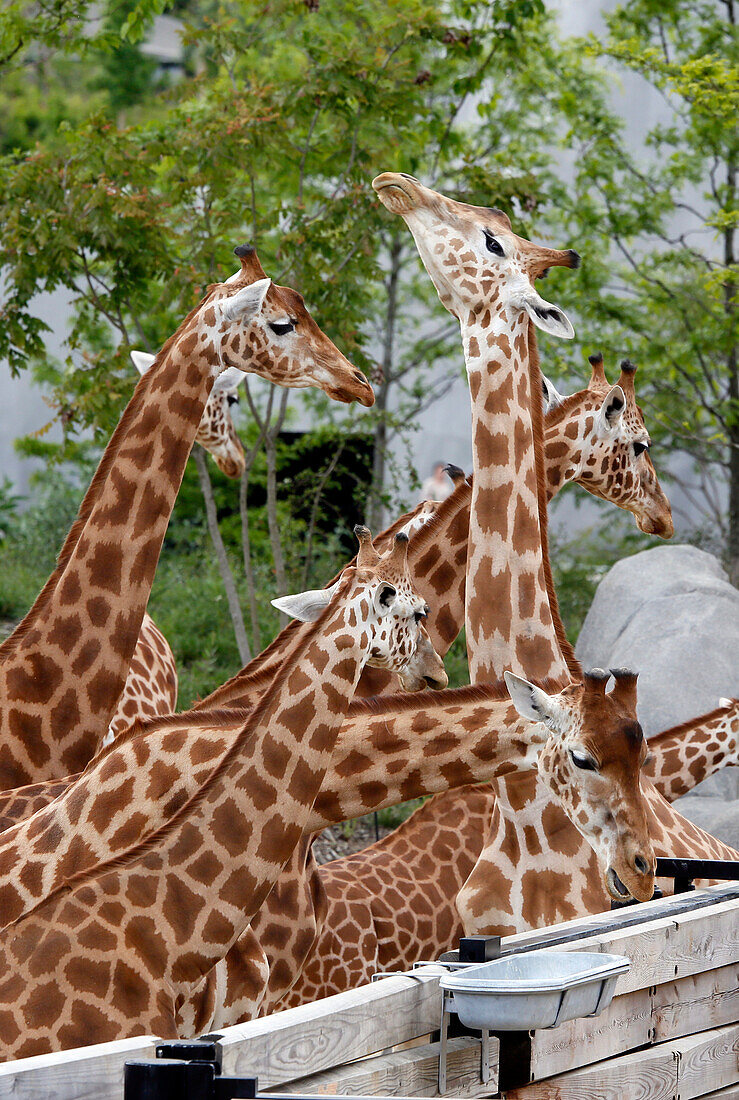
394 192
616 888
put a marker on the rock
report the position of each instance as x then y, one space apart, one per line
672 615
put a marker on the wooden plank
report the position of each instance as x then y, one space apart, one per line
411 1072
708 1061
696 1003
625 1025
687 1006
84 1073
335 1030
598 924
671 947
648 1073
688 1068
730 1093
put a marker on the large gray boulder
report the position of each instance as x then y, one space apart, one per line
672 615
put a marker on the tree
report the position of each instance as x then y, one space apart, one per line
662 278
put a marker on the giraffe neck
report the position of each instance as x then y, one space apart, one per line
508 615
65 666
386 752
686 754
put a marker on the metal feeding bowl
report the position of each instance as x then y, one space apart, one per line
536 989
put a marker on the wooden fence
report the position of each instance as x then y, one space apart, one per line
671 1033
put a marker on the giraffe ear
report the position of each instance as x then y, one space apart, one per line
611 411
545 316
142 360
245 303
530 701
306 607
552 397
229 379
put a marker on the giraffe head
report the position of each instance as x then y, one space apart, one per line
385 604
591 763
265 329
608 445
473 256
216 431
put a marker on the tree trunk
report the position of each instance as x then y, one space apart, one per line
270 449
375 509
256 634
732 548
234 607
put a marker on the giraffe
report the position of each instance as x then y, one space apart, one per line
64 667
151 683
294 940
484 275
392 904
110 950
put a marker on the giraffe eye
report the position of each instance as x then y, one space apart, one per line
420 615
281 328
233 399
640 448
493 244
582 760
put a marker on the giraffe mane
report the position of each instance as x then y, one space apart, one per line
419 539
110 455
690 723
567 406
537 424
449 697
195 719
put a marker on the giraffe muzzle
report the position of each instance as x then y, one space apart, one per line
395 192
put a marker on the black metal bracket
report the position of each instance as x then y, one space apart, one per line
190 1069
185 1070
686 871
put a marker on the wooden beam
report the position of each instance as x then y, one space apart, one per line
85 1073
612 921
696 1003
625 1025
688 1068
412 1072
707 1062
335 1030
666 948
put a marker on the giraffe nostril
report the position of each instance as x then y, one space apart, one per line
641 865
360 377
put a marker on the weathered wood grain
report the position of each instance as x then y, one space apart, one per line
85 1073
685 1068
644 1075
707 1061
625 1025
411 1072
335 1030
671 947
696 1003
